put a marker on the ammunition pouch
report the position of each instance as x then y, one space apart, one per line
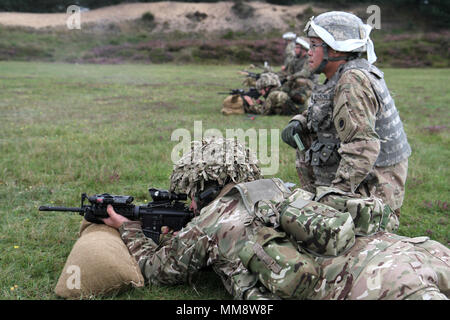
323 154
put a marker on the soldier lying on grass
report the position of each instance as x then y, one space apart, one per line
266 242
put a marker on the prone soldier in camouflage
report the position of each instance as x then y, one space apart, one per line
354 138
266 242
273 100
220 233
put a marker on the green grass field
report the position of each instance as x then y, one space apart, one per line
68 129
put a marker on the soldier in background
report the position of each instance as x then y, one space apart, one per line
354 137
297 79
238 234
273 100
299 62
289 62
289 51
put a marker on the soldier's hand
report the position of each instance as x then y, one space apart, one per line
288 133
115 220
248 100
166 234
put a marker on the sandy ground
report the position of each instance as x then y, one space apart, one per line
170 16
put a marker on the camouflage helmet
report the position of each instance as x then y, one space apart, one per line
342 26
268 79
213 160
343 32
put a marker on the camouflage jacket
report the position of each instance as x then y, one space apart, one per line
214 238
289 53
297 68
347 143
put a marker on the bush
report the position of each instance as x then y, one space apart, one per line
196 16
242 10
148 17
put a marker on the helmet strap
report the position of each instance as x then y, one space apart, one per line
324 61
326 58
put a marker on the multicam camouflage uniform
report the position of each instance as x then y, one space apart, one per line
297 79
352 131
215 238
378 265
223 230
276 101
385 266
237 234
298 82
289 51
259 262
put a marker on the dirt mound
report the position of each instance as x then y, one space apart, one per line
170 16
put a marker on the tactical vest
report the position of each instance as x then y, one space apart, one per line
323 154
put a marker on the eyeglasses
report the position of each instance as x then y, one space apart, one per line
313 46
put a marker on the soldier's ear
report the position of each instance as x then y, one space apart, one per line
333 53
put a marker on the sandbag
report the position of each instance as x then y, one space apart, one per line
98 264
233 104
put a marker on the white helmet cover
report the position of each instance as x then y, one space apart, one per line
289 36
302 42
343 32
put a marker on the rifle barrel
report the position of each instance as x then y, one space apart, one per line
46 208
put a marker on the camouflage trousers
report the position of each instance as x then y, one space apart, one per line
369 214
388 184
386 266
